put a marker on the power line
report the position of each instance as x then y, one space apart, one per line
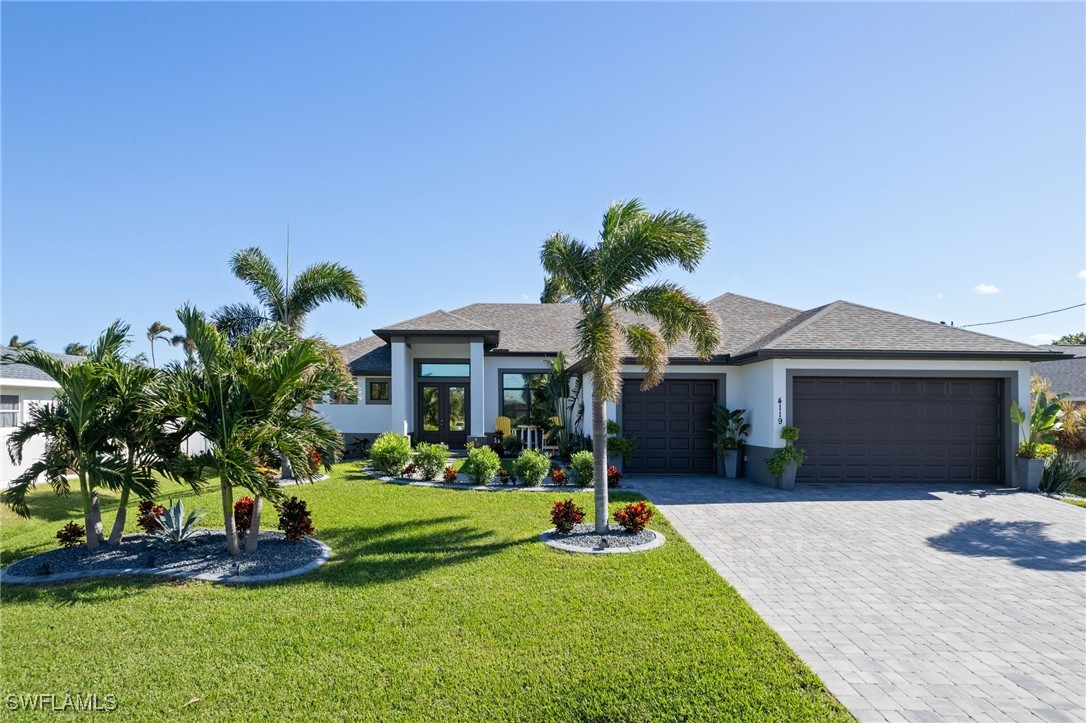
1031 316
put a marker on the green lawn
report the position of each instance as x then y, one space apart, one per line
436 605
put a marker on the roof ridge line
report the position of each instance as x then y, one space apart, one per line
776 334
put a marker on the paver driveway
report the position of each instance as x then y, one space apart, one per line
911 602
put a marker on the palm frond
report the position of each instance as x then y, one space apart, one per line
317 284
253 266
157 330
599 348
554 291
570 266
678 313
639 244
236 321
650 350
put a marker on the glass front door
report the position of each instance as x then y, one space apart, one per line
443 413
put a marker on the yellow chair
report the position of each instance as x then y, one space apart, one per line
503 425
550 442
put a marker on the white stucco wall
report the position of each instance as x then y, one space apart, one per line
361 417
29 392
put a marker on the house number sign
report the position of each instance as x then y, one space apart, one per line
780 411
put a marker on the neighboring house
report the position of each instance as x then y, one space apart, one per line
1065 375
878 397
20 387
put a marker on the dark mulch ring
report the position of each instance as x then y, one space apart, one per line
208 556
584 536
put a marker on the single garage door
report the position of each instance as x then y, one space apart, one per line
859 429
671 423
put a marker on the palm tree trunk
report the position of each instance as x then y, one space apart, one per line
228 516
96 520
599 445
88 511
153 354
118 522
253 537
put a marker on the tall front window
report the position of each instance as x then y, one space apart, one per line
520 392
9 410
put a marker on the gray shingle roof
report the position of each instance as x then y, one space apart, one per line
844 326
1066 375
750 329
368 356
14 370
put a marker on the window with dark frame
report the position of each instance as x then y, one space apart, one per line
520 391
378 391
9 410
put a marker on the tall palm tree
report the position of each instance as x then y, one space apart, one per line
248 399
157 331
75 427
189 346
76 349
623 310
14 343
282 301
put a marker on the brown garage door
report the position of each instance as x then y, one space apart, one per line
671 425
860 429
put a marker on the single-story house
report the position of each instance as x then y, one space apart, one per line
20 387
1065 375
877 396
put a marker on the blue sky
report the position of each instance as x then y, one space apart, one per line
907 157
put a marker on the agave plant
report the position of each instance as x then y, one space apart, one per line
176 530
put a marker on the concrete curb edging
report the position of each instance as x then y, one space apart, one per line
553 539
325 552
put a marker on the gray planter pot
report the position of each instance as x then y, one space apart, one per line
731 463
787 481
1029 473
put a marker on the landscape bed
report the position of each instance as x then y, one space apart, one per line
435 603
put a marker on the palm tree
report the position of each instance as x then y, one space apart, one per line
155 332
248 399
14 343
75 427
281 301
190 348
620 309
76 349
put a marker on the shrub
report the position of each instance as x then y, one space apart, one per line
532 466
390 453
409 469
1060 473
1036 450
294 519
582 464
512 445
175 528
431 458
559 477
71 535
449 475
243 514
790 434
633 518
503 476
149 512
783 457
498 448
614 477
620 447
482 465
565 515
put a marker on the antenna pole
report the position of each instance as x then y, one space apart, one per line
286 281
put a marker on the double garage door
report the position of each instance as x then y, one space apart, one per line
853 429
877 429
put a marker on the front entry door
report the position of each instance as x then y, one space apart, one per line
443 413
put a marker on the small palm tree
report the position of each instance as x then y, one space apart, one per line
157 331
14 343
622 312
76 349
280 300
75 429
249 400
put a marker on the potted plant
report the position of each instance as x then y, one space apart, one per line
1038 434
730 428
786 460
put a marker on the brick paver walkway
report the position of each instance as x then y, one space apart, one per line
912 603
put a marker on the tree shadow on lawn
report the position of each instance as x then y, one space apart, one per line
1022 542
363 556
